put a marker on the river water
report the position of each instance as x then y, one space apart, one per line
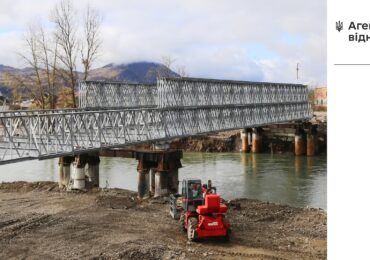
285 179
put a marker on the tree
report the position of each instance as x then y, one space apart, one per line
52 56
49 60
168 61
33 60
181 70
91 42
64 18
41 58
166 69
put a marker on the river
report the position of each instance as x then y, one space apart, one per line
285 179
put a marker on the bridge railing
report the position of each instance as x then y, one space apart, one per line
100 94
181 92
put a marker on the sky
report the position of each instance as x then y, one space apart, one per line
225 39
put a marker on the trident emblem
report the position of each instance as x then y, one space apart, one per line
339 26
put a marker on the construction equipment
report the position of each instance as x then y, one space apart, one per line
200 211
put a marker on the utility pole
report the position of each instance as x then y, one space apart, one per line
297 70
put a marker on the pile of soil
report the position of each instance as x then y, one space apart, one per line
40 221
228 141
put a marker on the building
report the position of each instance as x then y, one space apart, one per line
320 96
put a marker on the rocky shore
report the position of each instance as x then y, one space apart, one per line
39 221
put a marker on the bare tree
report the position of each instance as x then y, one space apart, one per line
181 70
64 18
168 61
53 57
32 58
164 70
49 61
41 85
91 42
31 85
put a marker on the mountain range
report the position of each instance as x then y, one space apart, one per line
136 72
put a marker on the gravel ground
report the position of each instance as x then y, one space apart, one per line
38 221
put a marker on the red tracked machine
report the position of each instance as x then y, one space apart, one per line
201 213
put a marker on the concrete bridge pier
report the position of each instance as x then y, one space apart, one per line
158 172
61 172
78 177
166 182
299 141
174 181
152 181
78 172
65 170
161 184
311 140
143 183
256 139
92 172
245 136
249 135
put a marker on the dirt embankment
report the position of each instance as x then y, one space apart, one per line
38 221
222 142
272 141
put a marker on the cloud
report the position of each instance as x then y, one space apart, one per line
240 39
10 44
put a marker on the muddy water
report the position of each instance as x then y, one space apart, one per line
296 181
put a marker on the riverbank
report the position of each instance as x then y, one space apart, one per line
39 220
275 139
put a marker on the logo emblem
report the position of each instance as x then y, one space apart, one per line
339 26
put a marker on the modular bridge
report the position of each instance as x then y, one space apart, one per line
113 115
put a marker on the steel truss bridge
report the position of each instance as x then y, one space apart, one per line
113 115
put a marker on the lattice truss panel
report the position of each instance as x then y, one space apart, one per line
98 94
181 92
51 134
